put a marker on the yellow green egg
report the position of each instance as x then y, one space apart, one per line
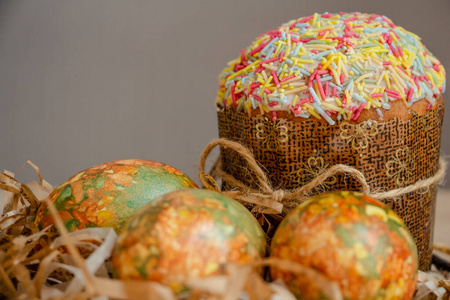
107 195
351 239
187 235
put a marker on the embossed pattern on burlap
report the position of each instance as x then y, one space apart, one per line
390 154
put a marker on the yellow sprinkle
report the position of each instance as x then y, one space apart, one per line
338 101
347 94
254 64
265 108
316 88
292 80
268 67
313 113
328 63
314 20
331 107
304 61
386 78
349 114
363 76
300 89
294 102
335 75
380 78
322 28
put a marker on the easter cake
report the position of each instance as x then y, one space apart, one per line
345 88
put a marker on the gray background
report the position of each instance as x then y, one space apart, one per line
89 81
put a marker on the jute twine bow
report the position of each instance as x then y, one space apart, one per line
268 200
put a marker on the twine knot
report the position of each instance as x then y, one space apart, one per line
278 195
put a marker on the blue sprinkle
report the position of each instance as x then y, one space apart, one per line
321 54
426 89
280 69
385 106
301 25
297 49
337 87
411 86
380 114
283 35
313 93
253 102
307 56
444 86
358 97
334 65
269 45
304 72
350 85
289 61
323 114
326 78
355 71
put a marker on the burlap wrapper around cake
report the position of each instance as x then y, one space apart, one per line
393 153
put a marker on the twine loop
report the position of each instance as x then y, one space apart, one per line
266 200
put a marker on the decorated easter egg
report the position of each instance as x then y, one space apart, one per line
107 195
185 235
354 241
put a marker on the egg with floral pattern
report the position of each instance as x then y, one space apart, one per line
187 235
351 239
107 195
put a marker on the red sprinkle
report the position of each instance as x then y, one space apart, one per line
319 83
428 106
274 116
394 50
334 91
314 51
303 101
281 56
327 88
328 113
275 79
269 60
322 72
259 70
425 53
257 49
243 55
410 94
233 95
267 91
376 95
257 97
291 109
358 111
255 85
400 50
342 78
436 67
273 103
287 78
327 15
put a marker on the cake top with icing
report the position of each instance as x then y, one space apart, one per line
332 66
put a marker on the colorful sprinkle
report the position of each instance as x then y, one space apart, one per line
353 61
